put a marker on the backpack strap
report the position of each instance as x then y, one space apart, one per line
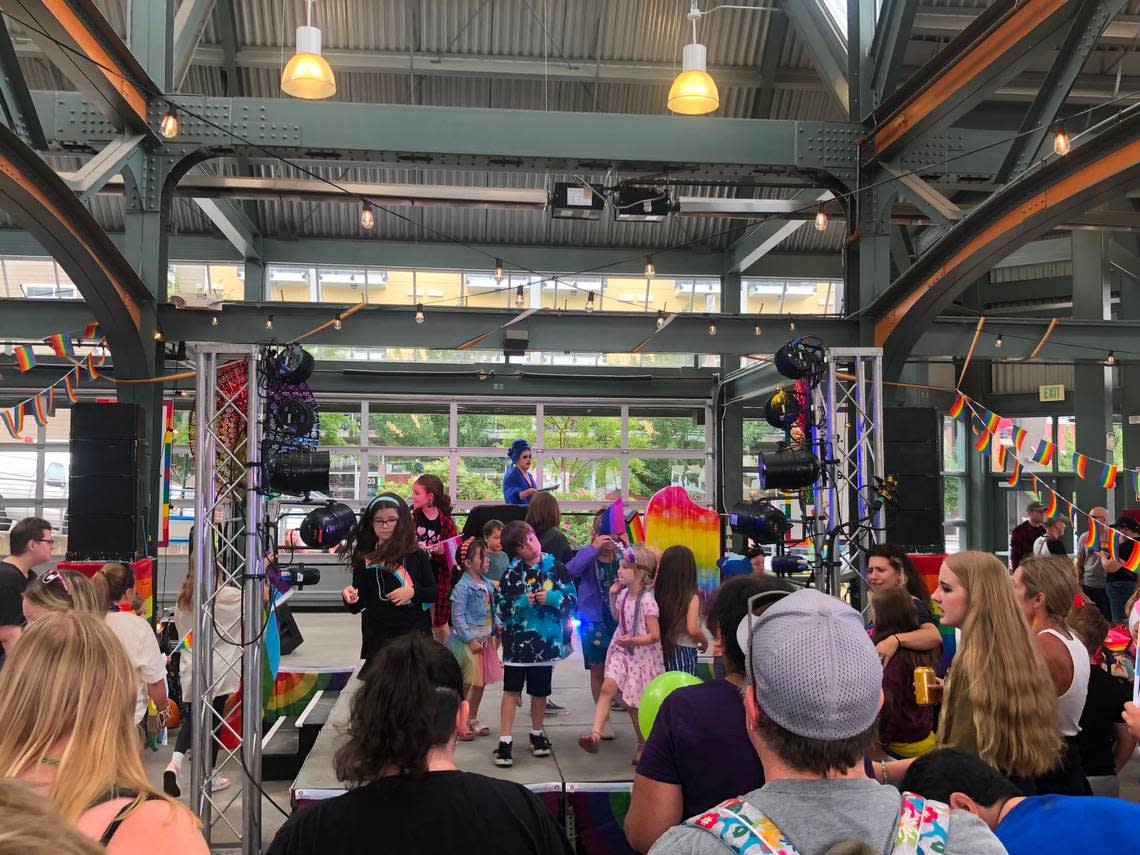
743 828
923 826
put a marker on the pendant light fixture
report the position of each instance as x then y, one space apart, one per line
168 127
693 92
1062 145
308 74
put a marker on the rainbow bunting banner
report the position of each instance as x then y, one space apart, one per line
1019 437
1133 562
992 422
1091 539
1051 506
1044 453
91 372
25 359
71 384
61 345
51 401
1080 464
999 456
1110 544
14 420
1073 515
1108 477
1015 476
91 331
959 406
39 412
982 443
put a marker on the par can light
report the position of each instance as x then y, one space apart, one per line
298 472
327 526
788 469
782 409
758 521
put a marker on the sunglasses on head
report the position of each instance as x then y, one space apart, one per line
756 606
52 577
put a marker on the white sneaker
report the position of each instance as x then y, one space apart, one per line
218 783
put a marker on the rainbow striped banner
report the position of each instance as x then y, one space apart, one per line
1044 453
25 359
14 420
999 456
1080 464
39 412
1015 476
1110 544
1133 562
71 384
992 421
91 372
1051 506
982 443
1091 539
959 406
1108 477
91 331
61 345
1019 437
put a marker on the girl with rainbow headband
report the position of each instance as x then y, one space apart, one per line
392 580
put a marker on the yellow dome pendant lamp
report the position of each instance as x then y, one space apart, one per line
693 92
308 74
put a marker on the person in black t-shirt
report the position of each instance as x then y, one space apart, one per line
407 797
1104 742
392 579
30 542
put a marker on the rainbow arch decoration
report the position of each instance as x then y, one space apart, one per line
674 519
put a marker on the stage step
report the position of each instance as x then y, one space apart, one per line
290 740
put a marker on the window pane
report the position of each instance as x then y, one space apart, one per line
953 445
443 288
227 281
483 291
344 475
339 428
574 292
697 295
955 538
495 427
58 428
18 474
341 285
1066 442
626 294
953 493
665 294
807 298
647 475
395 287
290 284
480 478
182 472
596 428
1037 428
31 277
387 472
583 479
650 429
420 430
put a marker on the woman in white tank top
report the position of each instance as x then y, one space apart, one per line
1045 588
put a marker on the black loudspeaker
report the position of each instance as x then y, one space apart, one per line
103 514
912 454
483 514
290 633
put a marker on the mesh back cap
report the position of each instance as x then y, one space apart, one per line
817 673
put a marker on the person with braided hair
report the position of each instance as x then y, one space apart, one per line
475 629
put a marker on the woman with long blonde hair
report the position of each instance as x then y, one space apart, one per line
67 702
999 702
60 591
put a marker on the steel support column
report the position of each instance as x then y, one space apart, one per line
985 503
1129 376
729 445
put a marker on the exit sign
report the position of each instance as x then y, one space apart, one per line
1051 392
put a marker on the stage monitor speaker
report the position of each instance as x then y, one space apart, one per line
290 633
482 514
103 514
911 454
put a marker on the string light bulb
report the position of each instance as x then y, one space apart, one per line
419 313
1000 341
1062 145
168 127
498 270
590 301
308 74
159 336
269 322
1111 358
520 297
214 320
792 326
336 323
821 220
650 270
712 327
367 217
756 329
660 318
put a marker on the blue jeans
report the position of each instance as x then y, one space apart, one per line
1118 594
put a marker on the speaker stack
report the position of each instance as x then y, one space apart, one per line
912 454
103 498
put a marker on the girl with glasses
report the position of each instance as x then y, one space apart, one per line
518 484
392 580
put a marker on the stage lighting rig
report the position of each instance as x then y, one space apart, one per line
758 521
788 469
328 525
801 357
782 409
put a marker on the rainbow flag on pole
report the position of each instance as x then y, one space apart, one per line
992 422
982 443
1108 477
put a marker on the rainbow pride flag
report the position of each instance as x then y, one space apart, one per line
982 443
992 422
1044 453
635 527
1051 506
14 420
25 359
61 345
1019 437
1080 464
91 372
958 407
613 520
1133 562
1015 476
39 411
1108 477
999 456
1110 544
71 384
1136 482
1091 539
91 331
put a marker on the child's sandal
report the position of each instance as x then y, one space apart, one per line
589 742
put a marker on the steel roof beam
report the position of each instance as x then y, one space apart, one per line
892 35
104 166
15 97
189 24
824 45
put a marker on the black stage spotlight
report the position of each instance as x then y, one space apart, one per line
327 526
292 364
788 469
298 472
293 417
798 358
782 409
758 521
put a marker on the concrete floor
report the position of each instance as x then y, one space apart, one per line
333 639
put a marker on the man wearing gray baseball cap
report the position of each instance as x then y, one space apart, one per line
812 707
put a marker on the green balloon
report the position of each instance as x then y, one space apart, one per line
659 688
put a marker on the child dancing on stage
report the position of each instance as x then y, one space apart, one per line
536 600
474 628
431 508
675 590
634 657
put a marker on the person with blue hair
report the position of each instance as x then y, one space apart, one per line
518 483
